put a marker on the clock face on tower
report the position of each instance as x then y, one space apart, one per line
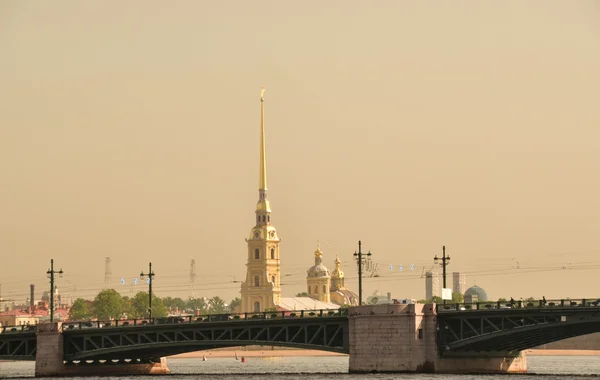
256 234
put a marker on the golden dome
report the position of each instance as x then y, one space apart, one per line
318 270
337 272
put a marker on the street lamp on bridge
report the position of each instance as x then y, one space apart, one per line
150 275
51 272
359 257
445 260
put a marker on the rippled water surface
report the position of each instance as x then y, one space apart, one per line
327 367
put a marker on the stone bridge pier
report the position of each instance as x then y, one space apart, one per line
402 338
50 361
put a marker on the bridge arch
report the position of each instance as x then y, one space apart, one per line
514 330
326 334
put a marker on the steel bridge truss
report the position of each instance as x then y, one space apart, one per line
18 346
512 330
329 334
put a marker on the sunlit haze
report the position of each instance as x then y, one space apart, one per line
130 130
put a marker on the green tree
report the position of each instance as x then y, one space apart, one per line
457 297
174 303
127 308
303 294
436 299
502 300
108 304
196 304
216 305
140 306
80 311
234 304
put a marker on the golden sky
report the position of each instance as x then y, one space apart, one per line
130 130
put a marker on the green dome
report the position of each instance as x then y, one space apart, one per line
477 291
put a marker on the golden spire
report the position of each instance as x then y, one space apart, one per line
263 159
263 209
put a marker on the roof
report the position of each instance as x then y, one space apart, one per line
16 313
305 303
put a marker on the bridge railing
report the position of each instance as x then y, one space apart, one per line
17 329
229 317
518 304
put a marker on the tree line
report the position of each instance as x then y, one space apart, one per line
109 304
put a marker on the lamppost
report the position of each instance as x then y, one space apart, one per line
359 257
445 260
51 272
150 275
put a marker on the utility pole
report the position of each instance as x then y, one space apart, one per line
51 272
107 272
192 279
359 257
150 276
445 261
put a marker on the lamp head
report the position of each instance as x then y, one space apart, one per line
60 273
435 259
141 274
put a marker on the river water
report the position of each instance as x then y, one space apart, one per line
329 367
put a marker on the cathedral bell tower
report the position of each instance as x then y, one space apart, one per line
262 288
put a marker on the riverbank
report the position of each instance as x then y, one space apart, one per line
270 352
230 353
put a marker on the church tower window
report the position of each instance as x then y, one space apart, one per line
272 253
256 281
257 307
257 253
269 218
264 218
324 289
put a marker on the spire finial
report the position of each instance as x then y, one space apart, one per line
263 159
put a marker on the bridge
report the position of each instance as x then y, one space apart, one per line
506 327
449 331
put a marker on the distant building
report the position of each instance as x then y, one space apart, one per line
380 299
475 294
459 282
261 290
326 287
18 318
318 280
433 285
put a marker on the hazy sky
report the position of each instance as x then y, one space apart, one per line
130 129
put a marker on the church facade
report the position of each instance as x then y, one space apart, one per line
261 290
326 287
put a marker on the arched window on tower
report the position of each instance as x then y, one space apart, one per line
264 218
316 289
257 253
272 253
324 289
273 280
257 218
257 307
256 281
269 218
